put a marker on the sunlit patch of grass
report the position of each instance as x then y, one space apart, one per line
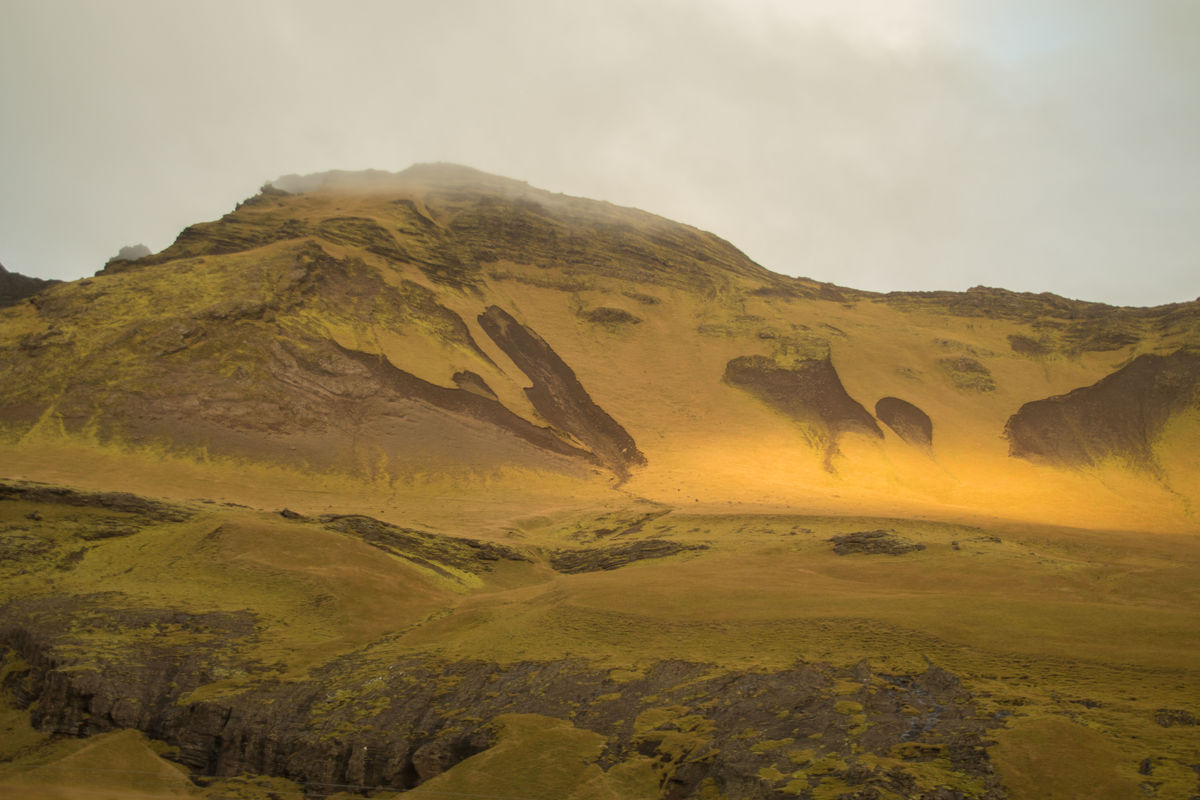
542 757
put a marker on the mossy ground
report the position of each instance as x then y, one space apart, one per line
1055 630
1064 599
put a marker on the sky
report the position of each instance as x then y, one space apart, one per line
1036 145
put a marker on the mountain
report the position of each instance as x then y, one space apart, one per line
396 480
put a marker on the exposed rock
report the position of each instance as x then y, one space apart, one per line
559 396
380 722
456 401
15 287
809 391
1120 415
873 543
606 558
114 501
909 422
421 547
1169 717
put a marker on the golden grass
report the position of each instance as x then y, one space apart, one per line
1065 598
1050 758
541 757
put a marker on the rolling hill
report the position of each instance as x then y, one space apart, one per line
436 482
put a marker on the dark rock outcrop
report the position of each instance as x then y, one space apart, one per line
15 287
909 422
456 401
810 392
382 722
427 549
1120 415
123 502
606 558
559 396
873 543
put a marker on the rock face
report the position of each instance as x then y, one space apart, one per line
559 396
909 422
15 287
460 402
809 391
1120 415
393 724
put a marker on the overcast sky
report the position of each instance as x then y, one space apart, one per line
1038 145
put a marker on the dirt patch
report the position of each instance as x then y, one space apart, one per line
879 542
909 422
809 391
608 558
1120 415
559 396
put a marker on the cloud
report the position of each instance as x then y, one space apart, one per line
879 144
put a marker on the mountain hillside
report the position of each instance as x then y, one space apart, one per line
408 327
436 483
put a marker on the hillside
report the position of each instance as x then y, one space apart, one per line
391 480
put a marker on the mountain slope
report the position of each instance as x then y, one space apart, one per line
361 328
433 482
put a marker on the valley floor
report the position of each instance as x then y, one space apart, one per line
206 649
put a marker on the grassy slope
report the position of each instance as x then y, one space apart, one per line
1038 622
1094 628
707 443
710 444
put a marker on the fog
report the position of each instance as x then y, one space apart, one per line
879 144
